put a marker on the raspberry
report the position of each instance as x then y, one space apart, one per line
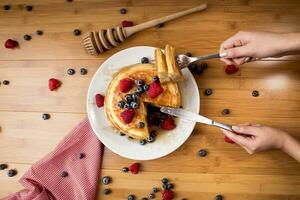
125 84
53 84
99 100
155 89
231 69
127 116
168 123
168 195
126 23
135 168
10 44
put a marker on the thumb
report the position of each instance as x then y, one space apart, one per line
237 52
244 129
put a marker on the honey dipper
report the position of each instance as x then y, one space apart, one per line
97 42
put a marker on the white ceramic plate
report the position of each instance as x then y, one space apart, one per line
166 142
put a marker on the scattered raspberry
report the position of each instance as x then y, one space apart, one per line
99 100
228 140
125 84
168 195
10 44
135 168
126 23
231 69
53 84
127 115
155 89
168 123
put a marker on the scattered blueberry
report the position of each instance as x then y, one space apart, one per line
189 54
70 71
193 67
29 7
134 105
198 70
151 196
202 153
203 65
225 111
160 25
5 82
140 89
134 97
128 98
11 172
123 11
46 116
146 87
83 71
6 7
153 133
170 186
154 190
208 92
106 180
125 169
64 174
3 166
122 134
121 104
81 156
143 142
150 139
165 186
76 32
39 32
255 93
131 197
141 125
106 191
139 82
144 60
219 197
164 181
155 79
127 106
27 37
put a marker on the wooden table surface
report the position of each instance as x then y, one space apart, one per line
227 169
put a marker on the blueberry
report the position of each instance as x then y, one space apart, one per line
154 190
130 138
3 166
5 82
106 180
144 198
121 104
106 191
6 7
125 169
153 133
150 139
219 197
255 93
203 65
11 172
144 60
226 111
70 71
131 197
160 25
27 37
198 70
143 142
189 54
46 116
128 98
29 7
64 174
123 11
146 87
134 105
151 196
193 67
164 181
208 92
170 186
134 97
39 32
76 32
139 82
165 186
81 156
83 71
137 94
202 153
140 89
141 125
155 79
127 106
122 134
162 116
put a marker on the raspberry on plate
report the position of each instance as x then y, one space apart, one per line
125 85
155 89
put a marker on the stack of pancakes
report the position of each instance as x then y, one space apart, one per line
169 97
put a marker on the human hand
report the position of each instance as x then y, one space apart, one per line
254 45
255 138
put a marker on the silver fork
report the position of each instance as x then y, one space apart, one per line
184 60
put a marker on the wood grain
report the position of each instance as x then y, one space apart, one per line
25 137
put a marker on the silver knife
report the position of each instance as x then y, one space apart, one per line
184 114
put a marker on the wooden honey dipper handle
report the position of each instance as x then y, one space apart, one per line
128 31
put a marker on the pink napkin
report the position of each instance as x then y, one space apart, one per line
44 179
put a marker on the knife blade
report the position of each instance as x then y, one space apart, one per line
184 114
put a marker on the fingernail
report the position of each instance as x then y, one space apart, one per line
235 128
223 54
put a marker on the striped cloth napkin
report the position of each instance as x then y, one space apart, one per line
71 171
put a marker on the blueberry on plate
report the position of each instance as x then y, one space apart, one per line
134 105
106 191
106 180
164 181
139 82
11 172
154 190
128 98
70 71
146 87
155 79
170 186
127 106
202 153
134 97
151 196
122 134
141 125
143 142
144 60
140 89
150 139
121 104
137 94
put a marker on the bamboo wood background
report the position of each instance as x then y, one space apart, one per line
228 170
